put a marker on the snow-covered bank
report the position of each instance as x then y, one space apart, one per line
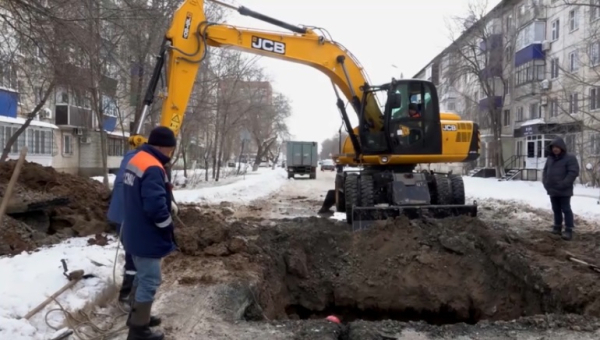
584 203
28 279
252 186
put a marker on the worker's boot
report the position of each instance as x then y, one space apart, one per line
556 229
154 320
568 235
139 323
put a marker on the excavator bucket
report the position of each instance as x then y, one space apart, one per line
364 217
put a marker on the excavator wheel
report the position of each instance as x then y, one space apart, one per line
443 190
351 192
458 189
367 191
340 201
443 193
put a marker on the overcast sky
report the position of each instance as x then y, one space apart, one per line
380 33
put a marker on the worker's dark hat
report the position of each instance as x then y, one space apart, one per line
162 136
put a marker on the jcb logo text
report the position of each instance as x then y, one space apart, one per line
268 45
449 128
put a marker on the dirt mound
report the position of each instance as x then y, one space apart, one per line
440 271
84 215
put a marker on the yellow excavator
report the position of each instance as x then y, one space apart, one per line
388 142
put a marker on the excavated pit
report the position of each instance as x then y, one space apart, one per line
440 272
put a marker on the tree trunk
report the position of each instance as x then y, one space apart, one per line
240 156
183 156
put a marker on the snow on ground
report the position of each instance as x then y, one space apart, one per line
249 187
28 279
111 179
584 203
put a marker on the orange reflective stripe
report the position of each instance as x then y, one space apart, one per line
141 162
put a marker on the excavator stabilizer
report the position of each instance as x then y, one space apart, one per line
364 217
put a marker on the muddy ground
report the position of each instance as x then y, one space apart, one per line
461 278
83 214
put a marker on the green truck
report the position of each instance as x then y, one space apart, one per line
302 158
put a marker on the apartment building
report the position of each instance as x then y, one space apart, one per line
65 134
541 59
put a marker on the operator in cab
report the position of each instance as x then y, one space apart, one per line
148 231
413 111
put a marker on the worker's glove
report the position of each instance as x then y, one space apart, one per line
174 209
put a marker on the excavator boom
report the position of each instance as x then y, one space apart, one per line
190 34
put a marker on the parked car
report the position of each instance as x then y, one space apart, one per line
327 164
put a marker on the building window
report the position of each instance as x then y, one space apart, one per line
519 115
553 108
39 142
573 61
595 53
595 141
595 10
570 141
519 148
506 118
116 147
554 67
534 111
555 29
595 98
573 20
533 70
67 144
573 103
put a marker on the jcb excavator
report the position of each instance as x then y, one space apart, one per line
388 143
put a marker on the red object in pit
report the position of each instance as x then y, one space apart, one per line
333 319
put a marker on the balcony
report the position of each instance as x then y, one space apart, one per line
529 53
9 101
486 103
493 70
492 43
69 115
529 13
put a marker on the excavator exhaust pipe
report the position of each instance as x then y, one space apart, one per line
364 217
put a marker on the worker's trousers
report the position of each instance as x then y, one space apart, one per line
147 279
129 266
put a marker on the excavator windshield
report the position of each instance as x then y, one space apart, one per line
413 117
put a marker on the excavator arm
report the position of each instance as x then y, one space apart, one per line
185 48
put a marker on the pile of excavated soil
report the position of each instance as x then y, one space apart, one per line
439 271
84 215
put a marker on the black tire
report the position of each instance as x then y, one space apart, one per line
458 189
443 190
367 191
350 195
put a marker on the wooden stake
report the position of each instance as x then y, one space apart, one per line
11 183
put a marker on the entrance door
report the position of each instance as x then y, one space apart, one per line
535 152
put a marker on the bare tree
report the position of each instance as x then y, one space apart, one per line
27 58
476 69
332 146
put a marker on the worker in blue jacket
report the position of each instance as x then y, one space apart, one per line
148 224
115 218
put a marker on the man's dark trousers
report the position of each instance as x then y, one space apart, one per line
562 205
130 271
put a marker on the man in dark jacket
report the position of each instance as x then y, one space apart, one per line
148 225
558 177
